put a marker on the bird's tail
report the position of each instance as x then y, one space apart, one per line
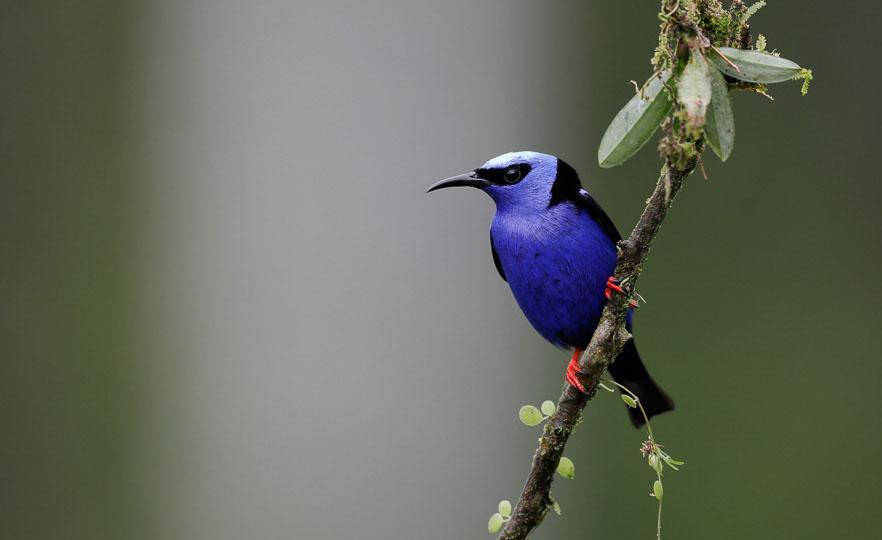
630 372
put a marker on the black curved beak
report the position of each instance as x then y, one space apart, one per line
468 179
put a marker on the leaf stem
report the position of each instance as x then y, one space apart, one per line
658 523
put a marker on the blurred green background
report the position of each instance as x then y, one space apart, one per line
228 308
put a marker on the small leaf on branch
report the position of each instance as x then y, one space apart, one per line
505 508
655 463
548 407
635 123
566 468
530 415
694 89
495 523
629 401
671 462
719 130
657 490
755 66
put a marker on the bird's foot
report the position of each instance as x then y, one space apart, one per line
573 372
612 284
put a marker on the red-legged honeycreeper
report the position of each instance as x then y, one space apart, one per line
556 248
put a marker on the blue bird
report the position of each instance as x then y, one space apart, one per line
556 248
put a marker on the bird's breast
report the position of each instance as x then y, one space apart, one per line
557 270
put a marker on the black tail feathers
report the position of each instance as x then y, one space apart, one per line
630 372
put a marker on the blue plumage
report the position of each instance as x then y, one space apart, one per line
556 248
556 260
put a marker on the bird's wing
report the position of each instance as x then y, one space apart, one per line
496 260
568 188
587 202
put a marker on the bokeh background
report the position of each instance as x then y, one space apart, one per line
230 311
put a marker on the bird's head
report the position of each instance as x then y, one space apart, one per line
522 182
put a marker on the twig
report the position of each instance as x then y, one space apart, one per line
726 59
680 151
701 166
606 343
653 447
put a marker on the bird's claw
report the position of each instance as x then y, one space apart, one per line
612 284
573 372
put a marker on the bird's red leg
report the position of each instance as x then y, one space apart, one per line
612 284
573 369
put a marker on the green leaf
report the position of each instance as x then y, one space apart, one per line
629 401
719 131
694 89
755 66
655 463
530 415
548 407
495 523
635 123
658 490
566 468
672 463
556 507
505 507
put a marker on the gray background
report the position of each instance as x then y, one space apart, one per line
230 311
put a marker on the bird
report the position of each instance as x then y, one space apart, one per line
556 248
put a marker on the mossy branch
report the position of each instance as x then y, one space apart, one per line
607 342
685 24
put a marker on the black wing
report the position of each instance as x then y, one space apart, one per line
496 260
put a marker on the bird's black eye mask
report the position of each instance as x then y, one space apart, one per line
505 176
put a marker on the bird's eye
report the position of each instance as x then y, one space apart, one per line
512 174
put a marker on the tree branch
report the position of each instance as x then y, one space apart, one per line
606 343
688 27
